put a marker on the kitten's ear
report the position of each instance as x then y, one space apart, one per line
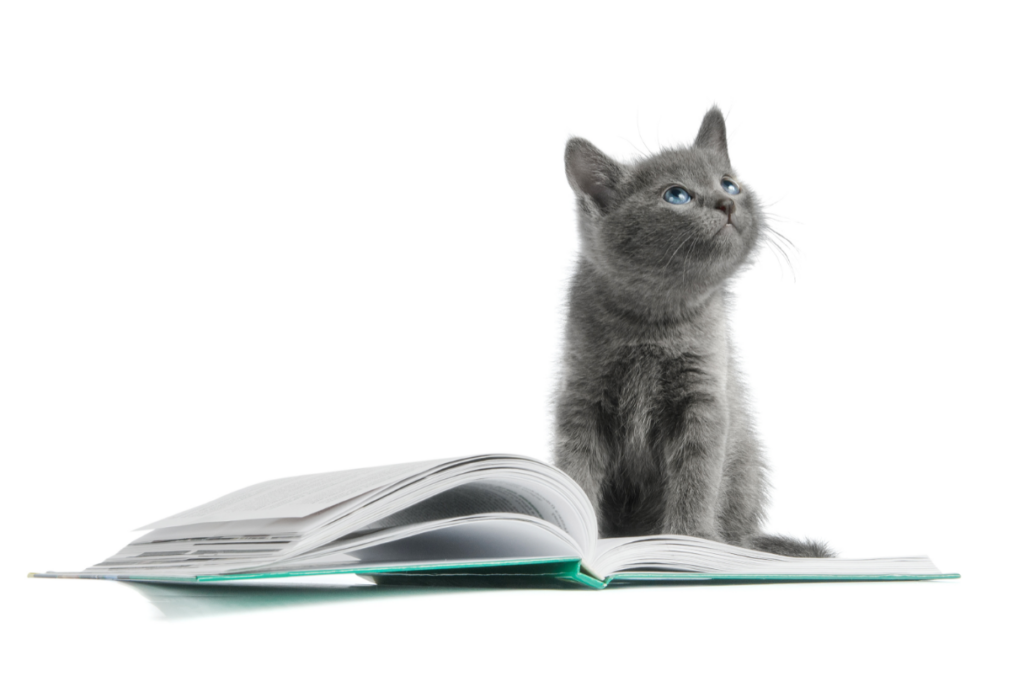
712 133
591 173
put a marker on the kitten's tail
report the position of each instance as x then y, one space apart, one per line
785 546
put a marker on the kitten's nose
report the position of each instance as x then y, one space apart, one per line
726 206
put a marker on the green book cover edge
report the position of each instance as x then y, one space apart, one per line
543 566
514 573
759 577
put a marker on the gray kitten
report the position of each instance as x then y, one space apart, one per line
652 419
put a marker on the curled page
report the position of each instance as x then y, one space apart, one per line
296 496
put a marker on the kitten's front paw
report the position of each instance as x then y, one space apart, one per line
787 546
680 528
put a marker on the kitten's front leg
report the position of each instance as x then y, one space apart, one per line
579 451
695 456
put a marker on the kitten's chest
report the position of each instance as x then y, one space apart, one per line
659 373
688 358
648 386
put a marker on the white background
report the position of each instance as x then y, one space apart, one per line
244 241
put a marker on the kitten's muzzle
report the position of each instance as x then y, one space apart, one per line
727 207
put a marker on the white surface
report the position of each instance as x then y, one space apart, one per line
239 242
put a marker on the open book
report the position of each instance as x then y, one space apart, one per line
486 519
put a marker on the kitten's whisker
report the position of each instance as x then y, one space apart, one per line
782 242
639 152
686 238
768 245
689 240
779 219
778 250
638 133
772 232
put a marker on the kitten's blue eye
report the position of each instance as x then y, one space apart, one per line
676 195
730 187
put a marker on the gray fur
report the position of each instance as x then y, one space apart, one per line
652 419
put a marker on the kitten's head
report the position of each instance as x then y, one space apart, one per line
678 224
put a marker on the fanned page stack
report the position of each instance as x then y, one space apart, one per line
493 520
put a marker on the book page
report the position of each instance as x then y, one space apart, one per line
474 498
477 538
296 496
683 554
502 483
